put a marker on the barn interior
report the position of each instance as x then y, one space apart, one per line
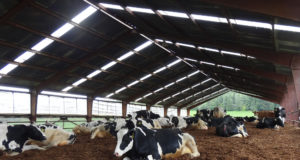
169 56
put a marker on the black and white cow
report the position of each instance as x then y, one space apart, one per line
112 128
231 128
86 128
144 114
204 114
164 122
218 112
270 122
214 122
144 143
280 113
13 137
251 119
184 122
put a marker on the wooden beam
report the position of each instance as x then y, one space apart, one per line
178 111
90 100
188 112
33 105
124 109
148 107
165 111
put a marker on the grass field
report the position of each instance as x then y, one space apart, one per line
232 113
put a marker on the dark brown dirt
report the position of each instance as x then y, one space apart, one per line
261 144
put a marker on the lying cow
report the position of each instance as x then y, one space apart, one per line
218 112
251 119
280 113
194 122
111 128
204 114
13 137
231 128
144 114
86 128
55 136
270 123
144 143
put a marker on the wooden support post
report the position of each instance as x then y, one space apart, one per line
165 111
33 105
148 106
296 77
124 109
89 108
178 111
188 112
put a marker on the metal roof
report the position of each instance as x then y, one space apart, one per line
100 54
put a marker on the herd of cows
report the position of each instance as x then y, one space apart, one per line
143 135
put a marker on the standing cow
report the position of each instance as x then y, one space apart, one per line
144 143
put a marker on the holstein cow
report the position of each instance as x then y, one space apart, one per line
218 112
164 122
204 114
55 136
280 113
194 122
270 123
111 128
13 137
144 143
251 119
231 128
144 114
86 128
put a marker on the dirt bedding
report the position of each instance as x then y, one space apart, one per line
261 144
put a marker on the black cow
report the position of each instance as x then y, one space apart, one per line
250 119
231 128
240 119
214 122
13 138
144 143
269 122
280 113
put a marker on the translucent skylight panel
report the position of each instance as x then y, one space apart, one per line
169 42
196 85
190 59
133 83
208 63
286 28
205 81
166 98
176 94
112 6
7 88
62 30
209 18
251 23
125 56
173 14
24 57
8 68
209 49
174 63
158 90
181 79
143 46
108 65
138 99
159 40
79 82
146 77
185 45
147 95
170 84
227 67
185 90
159 70
194 73
42 44
62 94
120 90
84 14
141 10
111 94
93 74
233 53
66 89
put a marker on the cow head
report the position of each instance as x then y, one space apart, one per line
242 129
35 133
279 122
125 141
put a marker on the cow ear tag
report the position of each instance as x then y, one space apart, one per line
140 123
43 129
132 136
